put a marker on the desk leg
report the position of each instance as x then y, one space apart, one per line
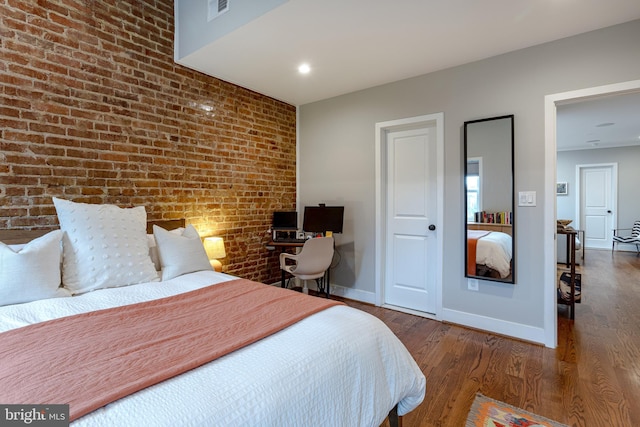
326 285
282 274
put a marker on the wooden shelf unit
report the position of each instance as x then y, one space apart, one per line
571 246
490 226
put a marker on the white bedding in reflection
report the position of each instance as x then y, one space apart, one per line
494 251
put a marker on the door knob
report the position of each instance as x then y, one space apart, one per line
432 227
608 211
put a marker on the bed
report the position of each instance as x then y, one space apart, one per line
336 366
492 251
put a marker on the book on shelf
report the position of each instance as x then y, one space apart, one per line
503 217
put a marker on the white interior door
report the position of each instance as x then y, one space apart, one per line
411 210
597 205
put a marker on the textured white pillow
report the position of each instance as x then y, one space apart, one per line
32 272
180 254
104 246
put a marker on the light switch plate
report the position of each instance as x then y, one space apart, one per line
526 198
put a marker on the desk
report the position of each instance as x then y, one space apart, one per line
287 245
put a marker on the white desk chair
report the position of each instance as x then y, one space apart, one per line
312 262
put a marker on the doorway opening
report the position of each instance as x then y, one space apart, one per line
551 103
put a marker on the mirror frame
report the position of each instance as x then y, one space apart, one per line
511 278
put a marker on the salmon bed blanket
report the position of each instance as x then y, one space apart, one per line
91 359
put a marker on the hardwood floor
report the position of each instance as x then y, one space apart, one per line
591 379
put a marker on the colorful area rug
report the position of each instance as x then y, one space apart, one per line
487 412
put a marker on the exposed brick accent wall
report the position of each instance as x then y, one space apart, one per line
93 109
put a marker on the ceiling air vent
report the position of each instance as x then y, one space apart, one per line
217 8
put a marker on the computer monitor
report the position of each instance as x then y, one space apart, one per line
320 219
285 221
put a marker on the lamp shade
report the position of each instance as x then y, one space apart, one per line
214 247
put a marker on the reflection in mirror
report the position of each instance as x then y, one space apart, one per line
489 201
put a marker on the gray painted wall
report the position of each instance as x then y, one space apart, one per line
337 148
628 160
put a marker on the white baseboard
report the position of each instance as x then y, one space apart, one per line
623 249
341 291
354 294
489 324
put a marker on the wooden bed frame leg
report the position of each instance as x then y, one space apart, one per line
394 419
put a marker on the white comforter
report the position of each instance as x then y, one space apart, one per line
494 250
339 367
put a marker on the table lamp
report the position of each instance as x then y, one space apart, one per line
215 250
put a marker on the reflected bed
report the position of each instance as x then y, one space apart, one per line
492 251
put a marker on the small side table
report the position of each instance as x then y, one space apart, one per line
580 237
571 259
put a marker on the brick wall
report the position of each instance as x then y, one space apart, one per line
93 109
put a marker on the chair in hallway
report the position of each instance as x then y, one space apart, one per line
633 238
312 262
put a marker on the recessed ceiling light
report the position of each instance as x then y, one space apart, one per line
601 125
304 69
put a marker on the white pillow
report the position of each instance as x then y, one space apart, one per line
153 252
104 246
153 247
180 254
32 272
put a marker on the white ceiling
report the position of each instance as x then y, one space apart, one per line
606 122
356 44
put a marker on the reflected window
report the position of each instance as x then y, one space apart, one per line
474 195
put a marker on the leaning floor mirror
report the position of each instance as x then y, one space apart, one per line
489 202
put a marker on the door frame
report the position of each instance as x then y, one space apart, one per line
382 129
614 194
550 164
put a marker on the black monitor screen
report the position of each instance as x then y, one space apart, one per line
319 219
285 220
